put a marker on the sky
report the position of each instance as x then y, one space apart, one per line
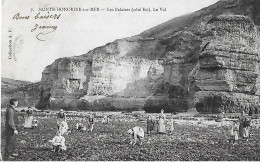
24 57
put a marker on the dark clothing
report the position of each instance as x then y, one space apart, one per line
29 112
10 144
256 110
11 121
61 115
57 148
91 120
80 127
156 126
149 125
11 125
244 126
250 112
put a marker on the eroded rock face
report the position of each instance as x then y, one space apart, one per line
174 92
65 81
112 77
116 77
187 62
228 65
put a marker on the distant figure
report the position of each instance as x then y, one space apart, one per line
58 143
61 117
250 113
136 133
49 101
171 125
161 128
34 123
11 124
63 128
234 134
28 119
91 122
235 130
29 112
256 110
156 125
105 119
150 124
79 126
244 126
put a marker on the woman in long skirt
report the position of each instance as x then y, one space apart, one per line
61 117
162 123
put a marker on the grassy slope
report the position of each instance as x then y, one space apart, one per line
6 82
188 20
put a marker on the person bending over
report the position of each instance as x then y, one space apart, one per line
136 133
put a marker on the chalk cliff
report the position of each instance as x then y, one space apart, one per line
227 78
183 63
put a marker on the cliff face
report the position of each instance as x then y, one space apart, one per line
65 81
228 74
185 62
107 77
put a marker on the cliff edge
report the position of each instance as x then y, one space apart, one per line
180 64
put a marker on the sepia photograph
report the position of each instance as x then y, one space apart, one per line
130 80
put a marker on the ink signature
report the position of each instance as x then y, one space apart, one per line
38 27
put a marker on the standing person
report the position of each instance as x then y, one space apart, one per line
91 122
250 113
161 122
256 110
29 112
233 132
63 128
244 126
171 125
149 124
28 119
105 121
61 117
156 125
34 123
11 124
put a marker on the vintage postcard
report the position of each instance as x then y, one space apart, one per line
130 80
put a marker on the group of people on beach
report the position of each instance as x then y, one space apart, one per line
159 125
58 142
240 128
136 133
